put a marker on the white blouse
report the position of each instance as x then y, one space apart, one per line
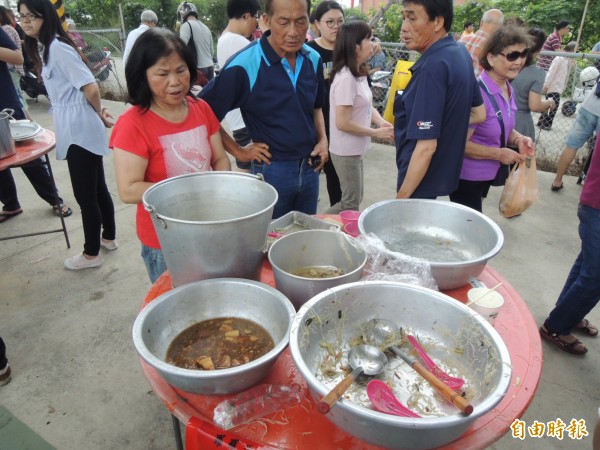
75 121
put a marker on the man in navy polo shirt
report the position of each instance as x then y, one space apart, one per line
439 102
277 83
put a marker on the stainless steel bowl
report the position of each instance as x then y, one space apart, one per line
455 240
314 248
330 320
171 313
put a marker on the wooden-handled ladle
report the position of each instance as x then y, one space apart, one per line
362 358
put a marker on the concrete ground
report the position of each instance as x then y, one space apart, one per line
77 381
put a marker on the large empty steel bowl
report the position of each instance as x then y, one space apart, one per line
163 319
328 324
455 240
312 248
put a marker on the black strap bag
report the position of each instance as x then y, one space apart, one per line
504 169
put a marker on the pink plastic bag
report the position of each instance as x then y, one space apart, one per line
520 190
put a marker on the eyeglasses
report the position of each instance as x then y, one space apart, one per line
513 56
26 17
333 23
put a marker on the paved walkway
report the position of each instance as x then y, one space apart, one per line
77 381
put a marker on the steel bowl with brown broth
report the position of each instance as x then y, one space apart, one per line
459 340
162 320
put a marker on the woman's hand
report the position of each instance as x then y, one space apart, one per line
107 119
385 131
525 145
508 156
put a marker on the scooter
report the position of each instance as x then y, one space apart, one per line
31 83
99 62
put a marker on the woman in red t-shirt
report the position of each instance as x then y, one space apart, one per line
167 132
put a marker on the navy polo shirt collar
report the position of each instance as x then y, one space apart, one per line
444 42
270 53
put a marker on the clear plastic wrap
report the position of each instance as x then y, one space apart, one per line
253 404
386 265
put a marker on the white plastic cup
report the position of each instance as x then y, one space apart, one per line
488 304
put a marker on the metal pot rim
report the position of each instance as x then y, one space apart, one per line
468 262
338 233
150 208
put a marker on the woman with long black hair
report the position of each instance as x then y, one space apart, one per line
79 123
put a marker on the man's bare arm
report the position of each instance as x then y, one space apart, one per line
417 167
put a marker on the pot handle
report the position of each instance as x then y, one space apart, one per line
8 111
155 216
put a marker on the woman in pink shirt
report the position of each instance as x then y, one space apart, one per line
351 112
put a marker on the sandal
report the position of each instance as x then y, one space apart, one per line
5 215
62 209
576 347
586 327
556 188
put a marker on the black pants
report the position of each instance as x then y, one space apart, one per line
546 119
333 183
208 71
39 177
3 360
471 193
90 190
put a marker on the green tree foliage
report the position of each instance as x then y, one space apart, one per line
388 28
544 14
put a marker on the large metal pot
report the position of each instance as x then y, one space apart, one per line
455 240
314 248
334 318
211 224
171 313
7 143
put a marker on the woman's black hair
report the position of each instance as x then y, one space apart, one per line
325 6
4 19
51 28
351 34
538 37
152 45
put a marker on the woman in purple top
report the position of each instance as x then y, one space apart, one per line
502 58
582 289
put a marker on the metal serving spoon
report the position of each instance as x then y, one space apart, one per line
362 358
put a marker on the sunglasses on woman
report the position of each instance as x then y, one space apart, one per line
513 56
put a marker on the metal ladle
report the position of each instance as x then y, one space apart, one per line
382 332
362 358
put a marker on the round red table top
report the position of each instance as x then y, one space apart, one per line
29 150
302 427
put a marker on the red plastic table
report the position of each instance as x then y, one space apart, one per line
28 151
302 427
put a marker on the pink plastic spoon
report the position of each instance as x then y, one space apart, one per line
384 400
452 382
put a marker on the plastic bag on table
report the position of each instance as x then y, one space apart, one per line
384 264
253 404
520 190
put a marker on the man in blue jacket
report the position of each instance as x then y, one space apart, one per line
277 83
